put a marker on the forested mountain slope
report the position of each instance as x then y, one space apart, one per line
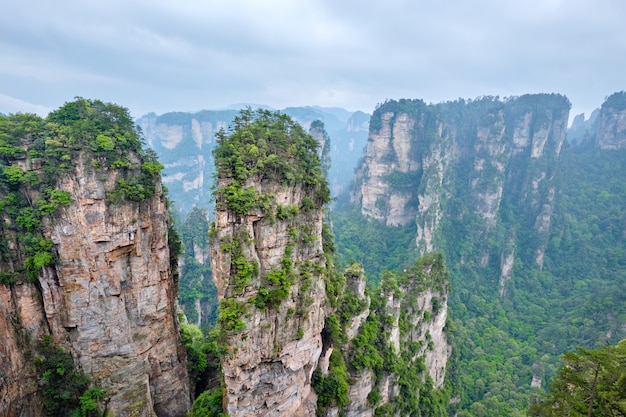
532 228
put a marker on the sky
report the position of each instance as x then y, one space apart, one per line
189 55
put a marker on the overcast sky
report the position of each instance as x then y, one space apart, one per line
186 55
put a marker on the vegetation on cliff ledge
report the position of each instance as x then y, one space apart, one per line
265 146
372 350
35 153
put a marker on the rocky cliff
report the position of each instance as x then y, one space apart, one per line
301 339
184 143
611 123
454 162
99 282
395 346
269 265
530 225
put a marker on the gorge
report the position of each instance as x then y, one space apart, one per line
349 311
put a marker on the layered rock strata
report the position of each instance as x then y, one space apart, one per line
462 161
270 272
108 298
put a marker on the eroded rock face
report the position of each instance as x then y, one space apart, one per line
21 322
611 130
420 304
460 161
269 266
389 149
110 301
268 368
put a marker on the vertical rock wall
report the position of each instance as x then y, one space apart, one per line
412 316
269 265
110 301
461 161
611 123
268 367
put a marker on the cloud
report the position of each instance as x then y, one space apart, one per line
188 55
9 105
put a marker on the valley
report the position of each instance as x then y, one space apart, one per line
429 259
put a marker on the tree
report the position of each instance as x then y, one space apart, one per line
591 383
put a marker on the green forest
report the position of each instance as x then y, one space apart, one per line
550 346
576 301
502 343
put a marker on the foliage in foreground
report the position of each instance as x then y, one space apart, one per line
591 383
65 390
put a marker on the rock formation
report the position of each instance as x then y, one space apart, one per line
184 143
269 266
405 326
611 124
109 297
293 328
423 160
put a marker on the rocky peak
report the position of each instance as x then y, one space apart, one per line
611 131
317 131
389 342
269 266
98 282
421 158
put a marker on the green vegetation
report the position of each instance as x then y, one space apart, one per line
209 404
197 350
266 150
230 315
196 282
591 383
371 351
65 390
616 101
332 388
575 298
265 146
36 153
388 250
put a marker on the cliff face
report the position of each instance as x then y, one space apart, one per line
611 123
388 151
109 299
463 161
270 362
408 319
114 298
269 267
530 226
302 340
184 142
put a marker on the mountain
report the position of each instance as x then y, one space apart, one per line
297 337
88 274
184 144
530 226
